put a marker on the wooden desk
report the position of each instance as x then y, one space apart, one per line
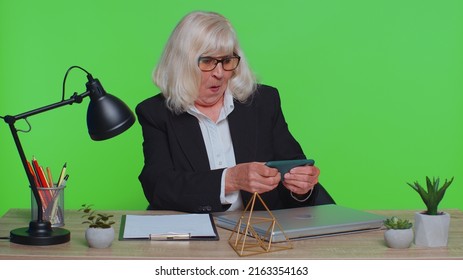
366 245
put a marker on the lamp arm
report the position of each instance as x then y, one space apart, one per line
10 120
75 98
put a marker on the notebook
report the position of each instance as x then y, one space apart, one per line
305 222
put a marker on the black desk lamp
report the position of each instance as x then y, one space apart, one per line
107 116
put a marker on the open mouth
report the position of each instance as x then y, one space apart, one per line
214 88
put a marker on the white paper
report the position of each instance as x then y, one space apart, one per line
141 226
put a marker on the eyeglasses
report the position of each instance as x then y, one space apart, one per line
229 63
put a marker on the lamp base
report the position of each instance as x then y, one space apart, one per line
40 233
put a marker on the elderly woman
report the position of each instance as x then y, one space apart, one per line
210 131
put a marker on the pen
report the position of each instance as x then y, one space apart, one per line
64 181
61 176
50 178
170 236
31 170
39 173
56 199
44 177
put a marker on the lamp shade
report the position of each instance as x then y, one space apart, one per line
107 115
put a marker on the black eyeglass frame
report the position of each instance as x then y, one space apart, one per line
217 61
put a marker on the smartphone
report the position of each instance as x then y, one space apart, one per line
284 166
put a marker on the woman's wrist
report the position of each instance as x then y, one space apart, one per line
301 197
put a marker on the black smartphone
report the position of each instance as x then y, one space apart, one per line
284 166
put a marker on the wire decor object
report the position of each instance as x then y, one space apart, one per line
246 241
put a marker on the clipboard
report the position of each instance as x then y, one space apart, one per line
172 227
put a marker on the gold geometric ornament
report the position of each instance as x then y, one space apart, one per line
244 238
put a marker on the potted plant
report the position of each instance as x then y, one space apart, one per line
399 233
100 233
431 226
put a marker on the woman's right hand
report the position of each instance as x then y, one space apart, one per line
251 177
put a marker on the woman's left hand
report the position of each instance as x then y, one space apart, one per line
301 179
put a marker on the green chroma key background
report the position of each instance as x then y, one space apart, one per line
371 89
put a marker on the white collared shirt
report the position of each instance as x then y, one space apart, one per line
219 146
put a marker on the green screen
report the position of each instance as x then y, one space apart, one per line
372 90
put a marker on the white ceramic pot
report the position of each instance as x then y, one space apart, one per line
432 230
398 238
99 237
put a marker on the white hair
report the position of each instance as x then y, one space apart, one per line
178 76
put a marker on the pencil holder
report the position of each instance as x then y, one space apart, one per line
52 205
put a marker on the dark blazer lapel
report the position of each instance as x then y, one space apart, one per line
243 129
190 139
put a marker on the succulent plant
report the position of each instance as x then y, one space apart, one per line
94 219
396 223
433 196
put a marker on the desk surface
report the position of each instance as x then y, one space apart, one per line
365 245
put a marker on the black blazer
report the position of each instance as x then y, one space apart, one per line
176 173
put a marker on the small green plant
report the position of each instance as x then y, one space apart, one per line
94 219
396 223
434 195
